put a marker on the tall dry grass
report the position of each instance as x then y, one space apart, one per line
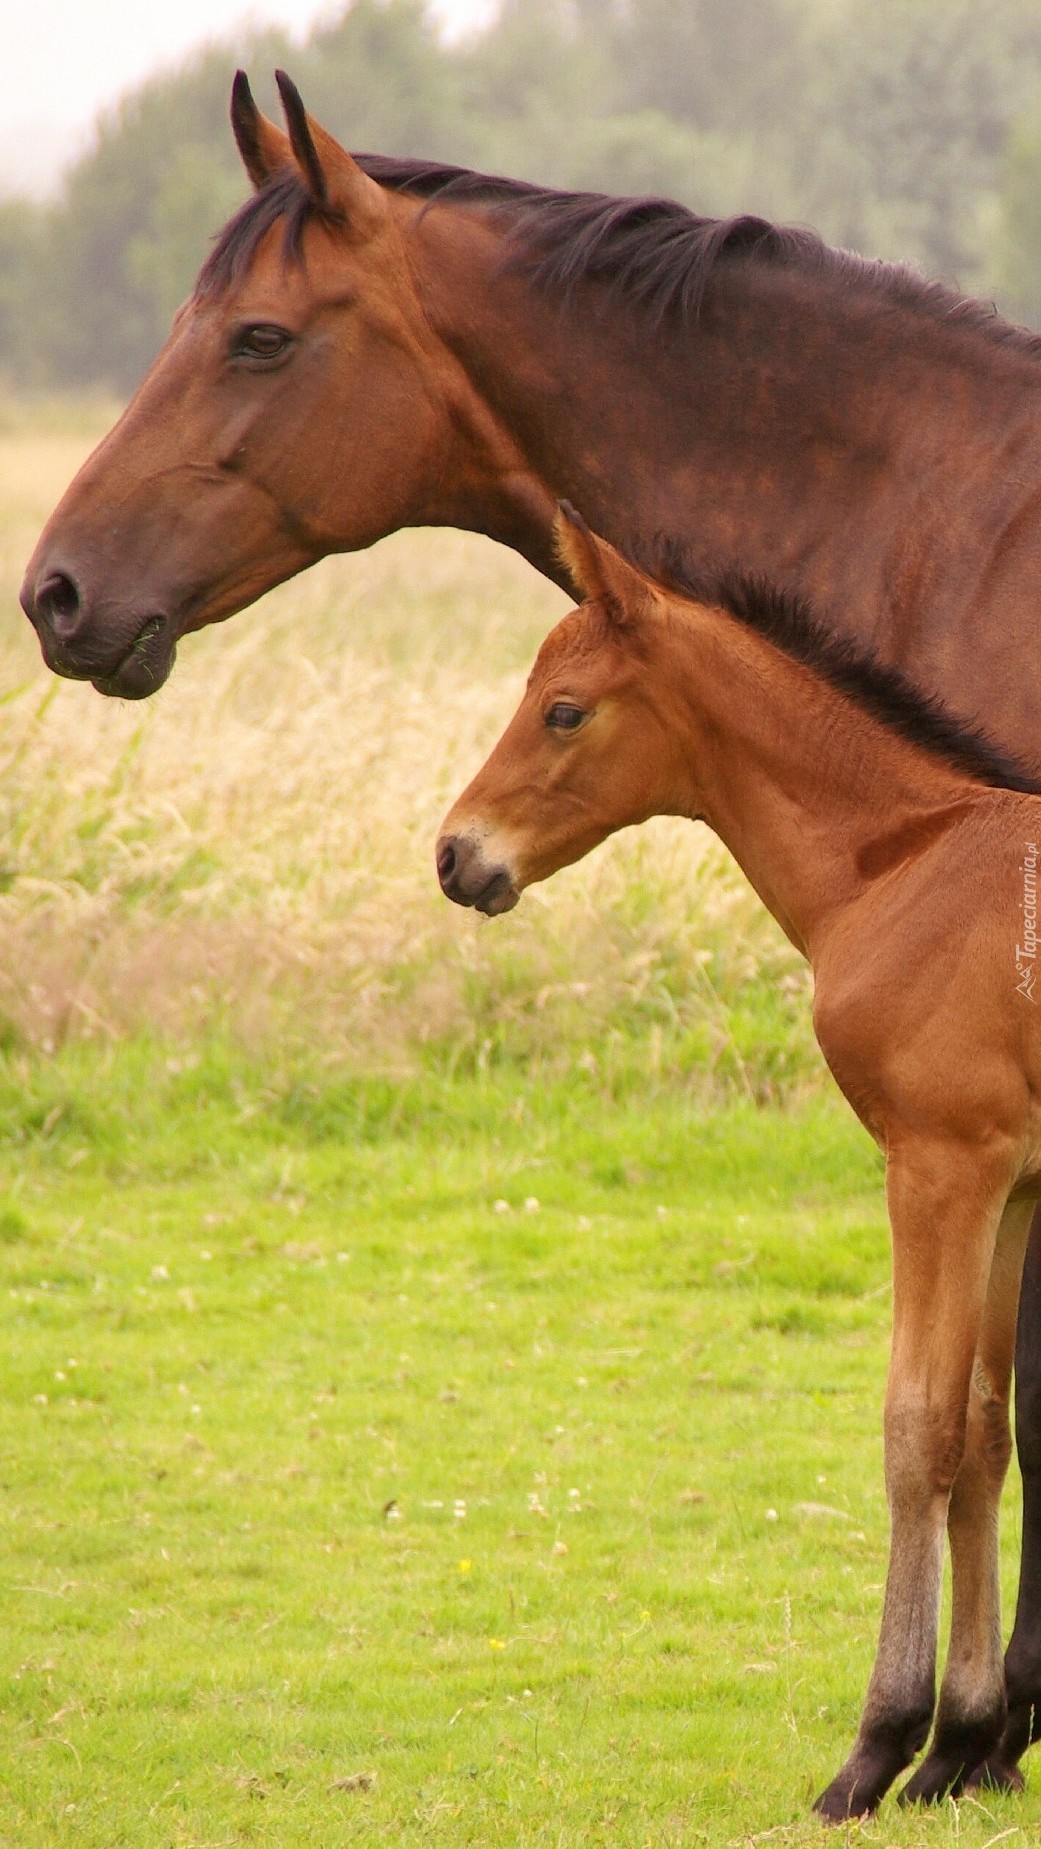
251 850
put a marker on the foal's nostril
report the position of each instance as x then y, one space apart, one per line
58 605
446 861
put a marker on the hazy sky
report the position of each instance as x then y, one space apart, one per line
62 60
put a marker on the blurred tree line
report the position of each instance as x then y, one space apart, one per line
910 130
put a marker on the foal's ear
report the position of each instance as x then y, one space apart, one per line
596 568
333 177
265 149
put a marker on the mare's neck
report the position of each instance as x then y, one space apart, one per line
868 455
813 797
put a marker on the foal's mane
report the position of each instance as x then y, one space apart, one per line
787 621
651 253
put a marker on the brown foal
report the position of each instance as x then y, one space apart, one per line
870 824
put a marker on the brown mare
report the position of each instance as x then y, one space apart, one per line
378 343
862 815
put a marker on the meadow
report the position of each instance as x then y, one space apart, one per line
442 1358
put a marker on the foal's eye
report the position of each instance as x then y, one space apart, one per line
263 342
563 717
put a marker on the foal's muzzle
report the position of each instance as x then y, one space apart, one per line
468 879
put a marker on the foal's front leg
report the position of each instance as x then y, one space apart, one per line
945 1204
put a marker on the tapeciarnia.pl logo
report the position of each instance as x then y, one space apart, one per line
1026 952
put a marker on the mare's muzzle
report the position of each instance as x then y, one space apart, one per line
125 654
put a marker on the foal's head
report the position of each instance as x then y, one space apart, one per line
592 747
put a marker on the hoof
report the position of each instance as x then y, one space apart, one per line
844 1800
879 1755
934 1780
995 1774
958 1747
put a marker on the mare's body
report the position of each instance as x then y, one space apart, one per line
912 889
389 343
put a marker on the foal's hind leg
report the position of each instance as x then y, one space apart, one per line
1023 1656
945 1206
971 1710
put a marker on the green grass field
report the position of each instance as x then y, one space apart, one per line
442 1361
448 1460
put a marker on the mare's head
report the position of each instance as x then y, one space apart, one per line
592 747
293 411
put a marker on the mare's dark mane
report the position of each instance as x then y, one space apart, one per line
787 621
652 253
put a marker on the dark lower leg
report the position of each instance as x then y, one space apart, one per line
899 1706
971 1710
1023 1656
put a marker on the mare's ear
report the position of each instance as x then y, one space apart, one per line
265 149
597 568
333 177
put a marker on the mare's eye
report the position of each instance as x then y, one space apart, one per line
263 342
563 717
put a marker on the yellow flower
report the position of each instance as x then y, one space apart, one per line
465 1565
495 1644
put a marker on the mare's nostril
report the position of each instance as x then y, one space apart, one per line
58 605
446 861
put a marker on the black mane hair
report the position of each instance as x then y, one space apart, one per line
787 621
284 199
652 253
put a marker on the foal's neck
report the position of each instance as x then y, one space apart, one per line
813 796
